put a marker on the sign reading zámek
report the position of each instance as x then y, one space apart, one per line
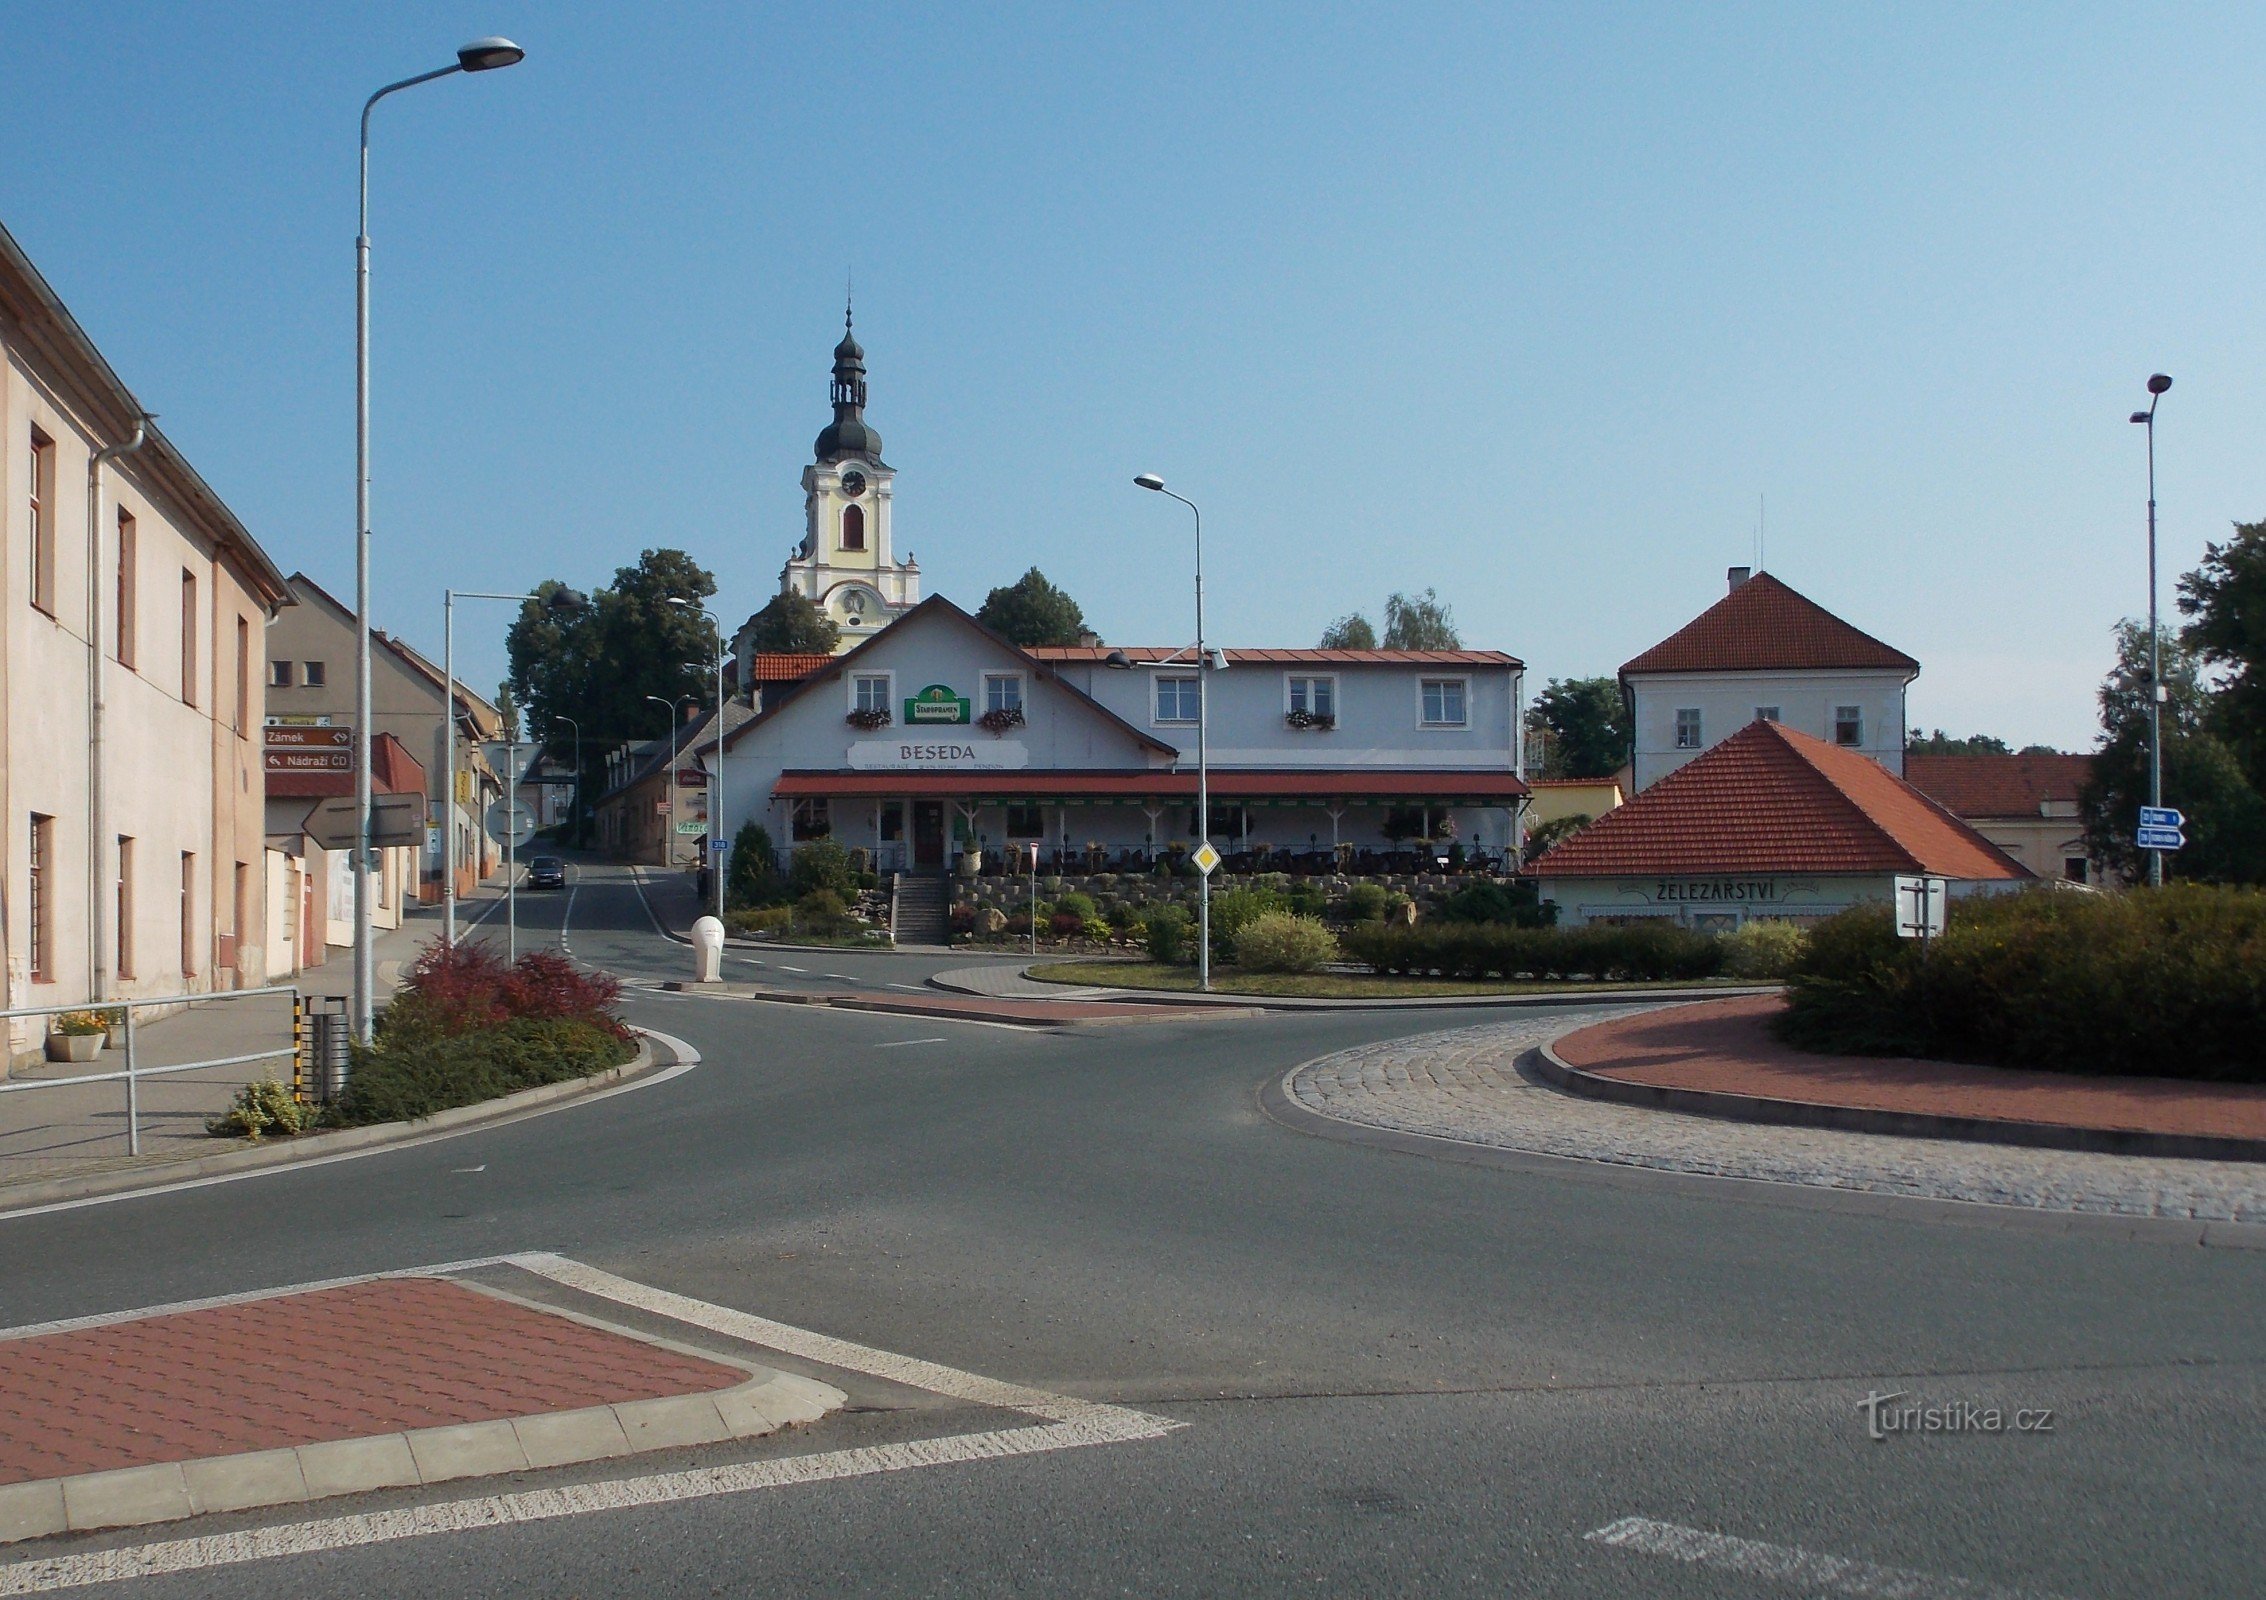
936 703
300 748
306 738
1712 891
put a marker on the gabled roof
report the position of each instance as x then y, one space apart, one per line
937 603
780 666
1147 654
658 755
1764 626
1769 799
1998 786
487 721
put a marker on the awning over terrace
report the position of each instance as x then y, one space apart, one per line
1088 787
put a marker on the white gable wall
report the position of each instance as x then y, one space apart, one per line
1728 701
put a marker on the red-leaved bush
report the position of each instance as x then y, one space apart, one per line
458 990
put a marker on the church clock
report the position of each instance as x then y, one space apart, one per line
853 484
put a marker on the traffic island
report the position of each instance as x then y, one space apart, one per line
381 1384
1722 1059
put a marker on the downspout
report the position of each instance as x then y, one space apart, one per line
97 824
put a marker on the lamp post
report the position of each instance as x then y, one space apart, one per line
2156 387
1155 484
559 602
574 810
669 834
716 778
481 55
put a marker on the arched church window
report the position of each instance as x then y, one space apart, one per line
853 527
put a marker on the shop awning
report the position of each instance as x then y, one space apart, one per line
1088 787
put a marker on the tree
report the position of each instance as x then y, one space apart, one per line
1543 835
2226 596
1940 743
1031 611
598 661
1350 632
1421 622
791 625
1586 721
2226 817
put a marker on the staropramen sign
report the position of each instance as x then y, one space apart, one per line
936 703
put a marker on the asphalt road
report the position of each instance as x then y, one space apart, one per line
1396 1374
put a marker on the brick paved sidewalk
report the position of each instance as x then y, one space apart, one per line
390 1382
1466 1086
1726 1047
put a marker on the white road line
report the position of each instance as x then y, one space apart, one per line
1069 1424
841 977
783 967
912 988
899 1044
1791 1564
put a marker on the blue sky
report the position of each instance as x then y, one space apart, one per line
1525 304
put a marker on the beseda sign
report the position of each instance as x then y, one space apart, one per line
936 703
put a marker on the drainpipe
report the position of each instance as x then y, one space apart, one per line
97 827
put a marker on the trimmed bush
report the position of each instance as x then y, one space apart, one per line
1763 949
1281 942
822 864
1076 904
1170 938
1233 910
1475 951
763 919
1366 902
2161 983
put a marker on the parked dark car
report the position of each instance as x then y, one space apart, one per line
546 872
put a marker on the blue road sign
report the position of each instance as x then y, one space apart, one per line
2162 817
2160 839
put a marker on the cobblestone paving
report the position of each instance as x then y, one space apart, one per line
1464 1085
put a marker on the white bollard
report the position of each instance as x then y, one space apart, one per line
707 951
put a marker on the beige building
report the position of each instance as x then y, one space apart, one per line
2026 805
133 604
310 676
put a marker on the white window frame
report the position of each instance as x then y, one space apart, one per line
1698 726
1022 695
1856 714
1290 692
1463 684
888 682
1157 681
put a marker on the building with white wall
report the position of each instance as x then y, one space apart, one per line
133 606
937 737
1764 653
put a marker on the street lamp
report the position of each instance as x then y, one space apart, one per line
669 834
558 602
574 810
481 55
716 780
2156 387
1155 484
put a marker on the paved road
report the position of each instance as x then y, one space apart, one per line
1396 1374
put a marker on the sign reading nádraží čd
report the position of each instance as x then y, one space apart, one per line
936 703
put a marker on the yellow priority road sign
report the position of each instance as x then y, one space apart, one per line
1205 858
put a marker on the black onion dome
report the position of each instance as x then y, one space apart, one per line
848 434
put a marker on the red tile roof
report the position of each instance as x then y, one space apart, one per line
1997 786
393 770
1148 654
1763 626
1769 799
1468 788
773 666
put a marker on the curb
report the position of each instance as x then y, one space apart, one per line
880 1006
319 1146
1725 1106
169 1491
1459 1002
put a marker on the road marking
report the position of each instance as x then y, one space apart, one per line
910 988
1791 1564
899 1044
783 967
482 1167
841 977
1069 1424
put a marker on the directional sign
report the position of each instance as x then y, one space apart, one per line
1920 906
1206 858
513 820
2160 838
692 827
2162 817
395 819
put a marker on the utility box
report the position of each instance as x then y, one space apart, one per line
325 1032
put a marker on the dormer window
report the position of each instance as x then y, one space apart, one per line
853 527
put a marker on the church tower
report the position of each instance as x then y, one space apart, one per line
845 565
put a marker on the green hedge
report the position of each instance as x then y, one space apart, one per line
404 1079
2163 983
1479 950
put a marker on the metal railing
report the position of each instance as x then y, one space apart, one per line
315 1074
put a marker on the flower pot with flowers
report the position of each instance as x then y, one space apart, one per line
868 718
1319 721
76 1036
1000 718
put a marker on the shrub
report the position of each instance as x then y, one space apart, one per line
1763 949
821 911
821 864
1077 904
1066 924
2168 982
1306 898
753 878
763 919
1516 904
1169 937
1096 929
261 1107
1281 942
1475 951
1233 910
79 1024
395 1082
1365 902
456 990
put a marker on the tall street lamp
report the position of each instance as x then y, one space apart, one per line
481 55
2156 387
669 834
574 809
1155 484
716 779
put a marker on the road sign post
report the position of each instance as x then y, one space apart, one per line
1920 904
2161 828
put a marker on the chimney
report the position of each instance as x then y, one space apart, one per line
1090 640
1739 575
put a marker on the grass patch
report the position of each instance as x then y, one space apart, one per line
1317 985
